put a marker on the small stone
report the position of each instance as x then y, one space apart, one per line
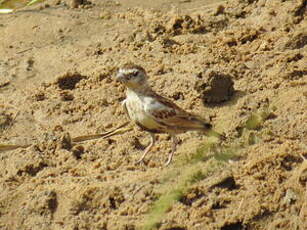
40 96
77 151
4 81
66 96
75 3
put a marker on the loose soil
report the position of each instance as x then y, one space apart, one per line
240 64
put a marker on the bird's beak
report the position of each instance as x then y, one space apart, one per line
120 77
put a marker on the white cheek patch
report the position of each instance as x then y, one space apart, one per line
127 71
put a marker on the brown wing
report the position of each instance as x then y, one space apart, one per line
168 113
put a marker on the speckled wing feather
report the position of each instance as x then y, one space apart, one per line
167 113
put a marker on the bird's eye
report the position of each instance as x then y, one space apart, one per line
134 74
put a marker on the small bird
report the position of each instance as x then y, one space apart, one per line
154 113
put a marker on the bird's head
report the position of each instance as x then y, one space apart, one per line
132 76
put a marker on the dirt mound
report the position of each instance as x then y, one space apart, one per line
246 58
214 87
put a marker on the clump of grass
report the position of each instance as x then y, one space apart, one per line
254 122
249 130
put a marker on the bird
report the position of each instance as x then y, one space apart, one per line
154 113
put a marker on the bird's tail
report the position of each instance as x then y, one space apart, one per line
198 124
211 132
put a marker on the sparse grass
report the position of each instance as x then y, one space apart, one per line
161 206
225 154
256 120
197 176
187 171
200 155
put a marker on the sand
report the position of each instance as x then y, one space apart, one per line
241 65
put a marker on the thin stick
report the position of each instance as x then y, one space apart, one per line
136 191
23 51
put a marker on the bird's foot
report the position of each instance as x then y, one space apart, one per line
141 160
169 160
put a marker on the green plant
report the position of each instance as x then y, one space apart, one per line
33 2
190 170
161 206
254 122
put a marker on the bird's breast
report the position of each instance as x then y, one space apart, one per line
135 106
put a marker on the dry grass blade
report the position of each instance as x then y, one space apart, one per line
33 2
118 130
6 11
7 147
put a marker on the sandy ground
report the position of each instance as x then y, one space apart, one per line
57 63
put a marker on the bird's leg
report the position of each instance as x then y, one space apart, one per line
149 147
170 156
